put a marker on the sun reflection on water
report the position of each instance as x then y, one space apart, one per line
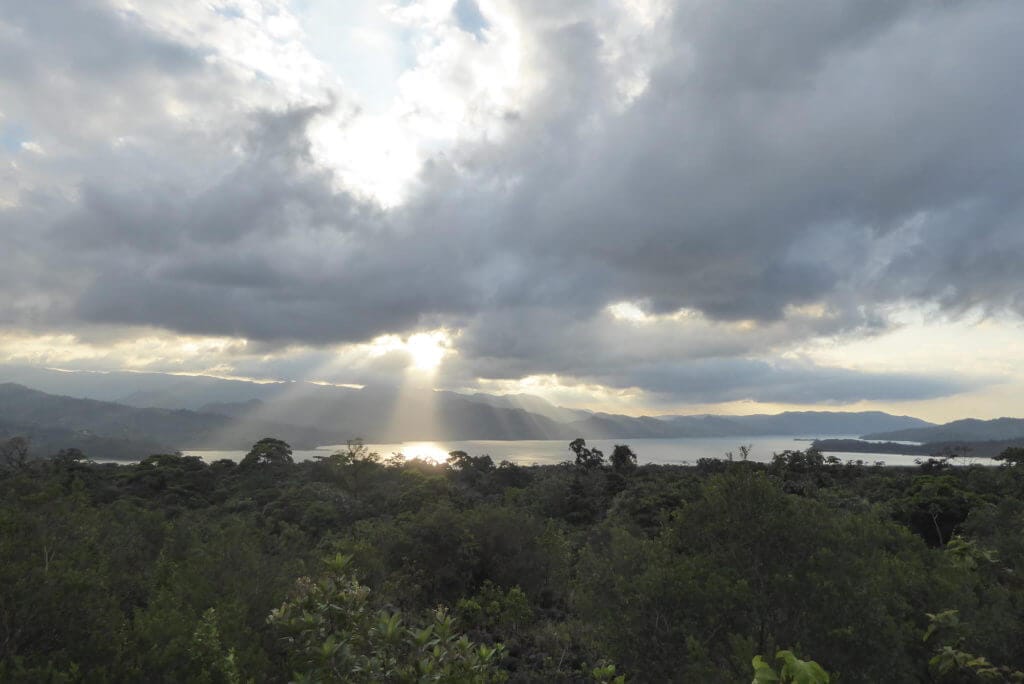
425 451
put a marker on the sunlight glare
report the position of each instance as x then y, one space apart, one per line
424 451
427 350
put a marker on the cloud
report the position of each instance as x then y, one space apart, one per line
782 382
729 168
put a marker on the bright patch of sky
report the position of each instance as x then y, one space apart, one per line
12 135
362 44
421 78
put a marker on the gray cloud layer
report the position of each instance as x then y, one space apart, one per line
842 153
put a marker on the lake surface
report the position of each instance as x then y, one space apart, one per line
680 451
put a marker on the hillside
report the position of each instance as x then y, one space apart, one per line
47 441
811 423
967 430
49 417
205 412
827 422
968 449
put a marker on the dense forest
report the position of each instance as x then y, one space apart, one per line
365 569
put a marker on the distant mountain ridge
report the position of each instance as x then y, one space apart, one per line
828 422
186 412
46 417
966 430
144 390
809 423
969 449
368 413
528 402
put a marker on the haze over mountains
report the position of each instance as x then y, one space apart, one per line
150 412
111 430
128 415
966 430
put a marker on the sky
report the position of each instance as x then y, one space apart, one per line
638 206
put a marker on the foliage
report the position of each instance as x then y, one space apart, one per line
333 635
460 460
1012 456
622 460
746 568
793 670
14 452
214 664
355 452
586 458
166 570
953 664
605 674
268 451
495 610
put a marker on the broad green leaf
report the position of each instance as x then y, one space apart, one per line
763 672
801 671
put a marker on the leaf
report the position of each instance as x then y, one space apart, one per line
763 672
422 636
801 671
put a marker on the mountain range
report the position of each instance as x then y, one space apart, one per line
147 412
966 430
54 422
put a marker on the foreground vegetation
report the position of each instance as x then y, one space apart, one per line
354 568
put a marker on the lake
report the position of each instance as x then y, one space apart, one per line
679 451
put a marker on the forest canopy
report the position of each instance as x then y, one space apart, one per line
361 568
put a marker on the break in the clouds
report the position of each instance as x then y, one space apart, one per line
671 198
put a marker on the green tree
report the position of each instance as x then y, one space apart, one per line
14 452
461 461
269 451
745 569
623 460
355 451
1011 456
586 458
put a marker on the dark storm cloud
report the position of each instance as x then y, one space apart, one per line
87 37
848 154
704 193
74 70
718 380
